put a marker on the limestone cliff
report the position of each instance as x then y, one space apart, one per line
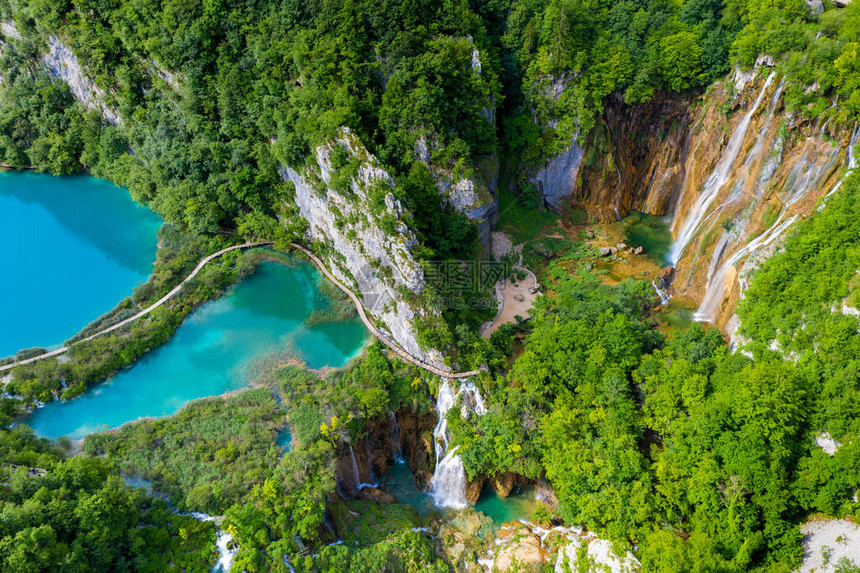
468 191
63 65
632 160
731 168
361 231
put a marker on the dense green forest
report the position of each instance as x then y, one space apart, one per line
700 457
80 517
204 87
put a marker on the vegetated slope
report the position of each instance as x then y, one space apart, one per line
702 458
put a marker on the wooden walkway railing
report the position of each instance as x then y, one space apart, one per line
396 348
140 314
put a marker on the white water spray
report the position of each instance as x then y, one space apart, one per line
227 548
663 294
358 483
449 477
716 289
715 182
449 482
852 164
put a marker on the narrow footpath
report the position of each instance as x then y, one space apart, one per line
396 348
140 314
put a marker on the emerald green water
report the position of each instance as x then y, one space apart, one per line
675 315
519 505
73 247
401 483
213 352
650 232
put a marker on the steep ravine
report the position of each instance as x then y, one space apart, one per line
731 169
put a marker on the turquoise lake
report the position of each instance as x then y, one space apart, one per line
519 505
73 248
214 351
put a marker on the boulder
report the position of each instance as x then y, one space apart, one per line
814 7
621 246
605 251
503 483
519 549
667 275
638 250
765 60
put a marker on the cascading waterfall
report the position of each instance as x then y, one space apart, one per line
664 295
226 551
807 176
449 482
708 310
227 548
852 164
359 485
616 203
715 182
354 468
449 477
396 445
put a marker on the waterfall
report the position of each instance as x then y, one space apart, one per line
852 164
617 201
715 182
354 468
449 477
708 310
468 389
226 554
227 548
449 482
443 403
359 485
664 295
806 177
396 446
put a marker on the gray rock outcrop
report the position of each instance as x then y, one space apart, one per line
470 194
63 65
556 181
367 243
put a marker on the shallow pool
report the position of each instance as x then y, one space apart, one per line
214 351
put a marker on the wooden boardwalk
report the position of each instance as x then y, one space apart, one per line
140 314
396 348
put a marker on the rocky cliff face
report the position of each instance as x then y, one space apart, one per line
631 161
557 180
406 434
63 65
361 231
748 177
470 192
731 169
